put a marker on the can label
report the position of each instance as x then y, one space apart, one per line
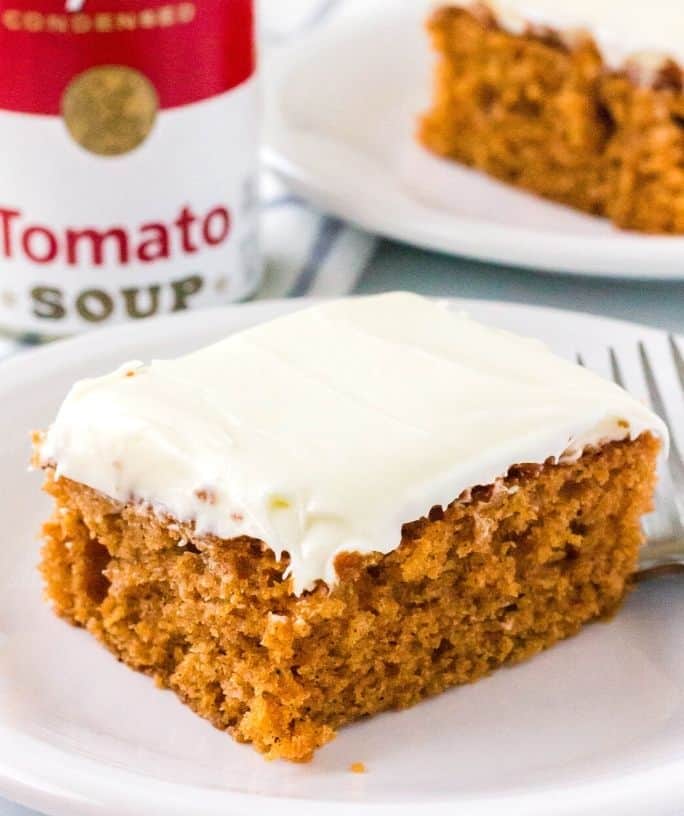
128 142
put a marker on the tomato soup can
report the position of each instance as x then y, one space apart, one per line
128 160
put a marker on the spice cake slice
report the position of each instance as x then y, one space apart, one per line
580 102
342 511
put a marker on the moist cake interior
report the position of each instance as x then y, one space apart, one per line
502 573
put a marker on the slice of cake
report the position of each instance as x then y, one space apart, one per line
341 512
579 101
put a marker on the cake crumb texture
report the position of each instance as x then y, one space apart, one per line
557 121
496 577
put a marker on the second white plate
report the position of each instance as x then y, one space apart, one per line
341 113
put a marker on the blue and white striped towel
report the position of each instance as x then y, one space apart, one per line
307 253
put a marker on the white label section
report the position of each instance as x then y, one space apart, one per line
87 240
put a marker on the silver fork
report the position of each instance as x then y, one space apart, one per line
653 371
664 551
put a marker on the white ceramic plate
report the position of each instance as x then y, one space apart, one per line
594 726
341 112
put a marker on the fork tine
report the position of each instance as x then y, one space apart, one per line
626 371
668 371
616 371
671 408
678 358
676 463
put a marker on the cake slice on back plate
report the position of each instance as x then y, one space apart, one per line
577 100
342 511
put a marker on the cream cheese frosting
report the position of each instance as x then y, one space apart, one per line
325 430
645 35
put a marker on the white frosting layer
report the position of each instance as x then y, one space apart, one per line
327 429
625 31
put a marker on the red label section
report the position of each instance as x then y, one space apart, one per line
189 50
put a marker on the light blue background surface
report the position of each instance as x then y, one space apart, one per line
396 266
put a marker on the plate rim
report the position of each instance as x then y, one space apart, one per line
623 255
84 786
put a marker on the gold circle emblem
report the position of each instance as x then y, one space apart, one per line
110 109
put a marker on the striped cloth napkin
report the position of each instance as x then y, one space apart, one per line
305 252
